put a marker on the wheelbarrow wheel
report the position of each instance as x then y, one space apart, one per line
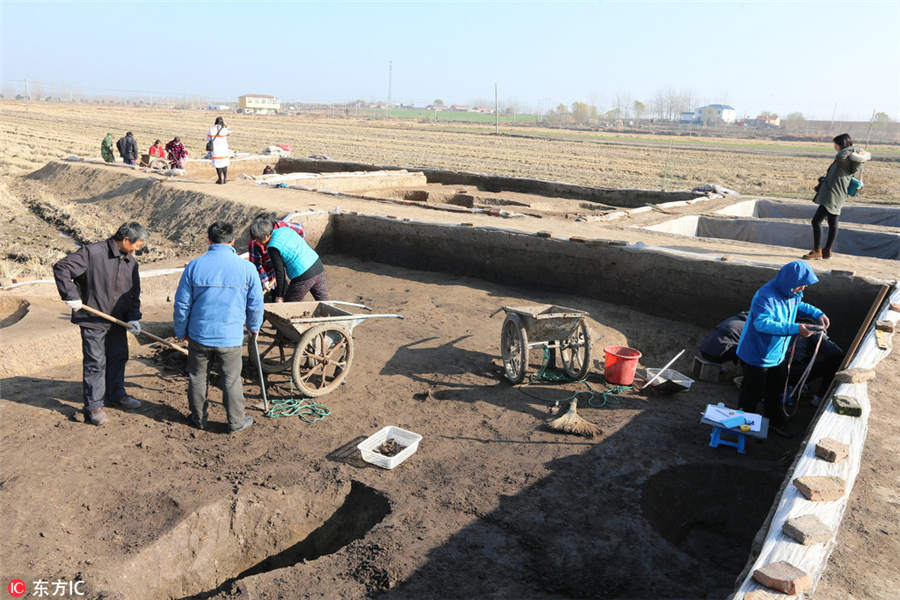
322 360
514 348
575 352
276 351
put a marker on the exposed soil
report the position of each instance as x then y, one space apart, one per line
492 505
490 491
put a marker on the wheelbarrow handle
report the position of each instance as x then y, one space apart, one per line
363 306
112 319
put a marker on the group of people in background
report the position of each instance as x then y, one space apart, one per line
219 295
174 151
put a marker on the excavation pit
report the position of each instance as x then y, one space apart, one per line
881 240
362 509
12 310
709 511
519 190
493 504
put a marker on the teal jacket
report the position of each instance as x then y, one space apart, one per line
773 316
295 252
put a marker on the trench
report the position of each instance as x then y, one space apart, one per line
863 230
624 198
710 511
363 508
696 290
886 216
12 310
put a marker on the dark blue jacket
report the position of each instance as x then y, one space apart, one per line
773 316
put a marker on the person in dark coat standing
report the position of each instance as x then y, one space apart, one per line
128 149
831 193
104 275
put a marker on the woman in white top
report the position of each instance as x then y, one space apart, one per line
221 155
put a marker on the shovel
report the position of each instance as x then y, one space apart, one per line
112 319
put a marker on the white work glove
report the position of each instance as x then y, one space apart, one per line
135 327
74 304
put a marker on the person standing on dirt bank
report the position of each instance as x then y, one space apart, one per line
218 295
832 192
764 341
128 149
258 255
219 152
107 148
292 258
104 275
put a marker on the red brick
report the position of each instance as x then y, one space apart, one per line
784 577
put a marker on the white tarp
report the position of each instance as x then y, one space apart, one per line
858 242
849 430
886 216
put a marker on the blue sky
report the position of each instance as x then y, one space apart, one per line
775 56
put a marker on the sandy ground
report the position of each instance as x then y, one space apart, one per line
492 505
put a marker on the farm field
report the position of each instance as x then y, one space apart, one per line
50 131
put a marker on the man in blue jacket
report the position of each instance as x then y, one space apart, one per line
219 293
764 342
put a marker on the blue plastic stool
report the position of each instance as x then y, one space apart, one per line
716 440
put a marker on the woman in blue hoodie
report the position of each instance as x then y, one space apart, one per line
766 337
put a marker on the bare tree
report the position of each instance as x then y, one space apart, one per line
580 112
639 109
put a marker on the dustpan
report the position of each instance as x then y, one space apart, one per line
669 381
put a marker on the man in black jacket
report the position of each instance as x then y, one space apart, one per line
104 276
128 149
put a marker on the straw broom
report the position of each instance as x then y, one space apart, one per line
571 422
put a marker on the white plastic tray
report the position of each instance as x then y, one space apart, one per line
404 438
669 381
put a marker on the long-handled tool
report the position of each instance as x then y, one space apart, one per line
112 319
262 379
661 371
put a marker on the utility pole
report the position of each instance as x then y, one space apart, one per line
27 97
496 112
390 77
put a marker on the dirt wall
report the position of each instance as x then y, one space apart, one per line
696 290
627 198
180 216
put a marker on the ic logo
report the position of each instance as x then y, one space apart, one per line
16 588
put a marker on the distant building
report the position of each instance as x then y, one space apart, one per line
262 104
459 108
770 121
687 117
484 109
723 112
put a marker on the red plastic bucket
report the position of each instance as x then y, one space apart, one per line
621 363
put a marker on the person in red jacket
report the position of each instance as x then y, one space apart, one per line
157 149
